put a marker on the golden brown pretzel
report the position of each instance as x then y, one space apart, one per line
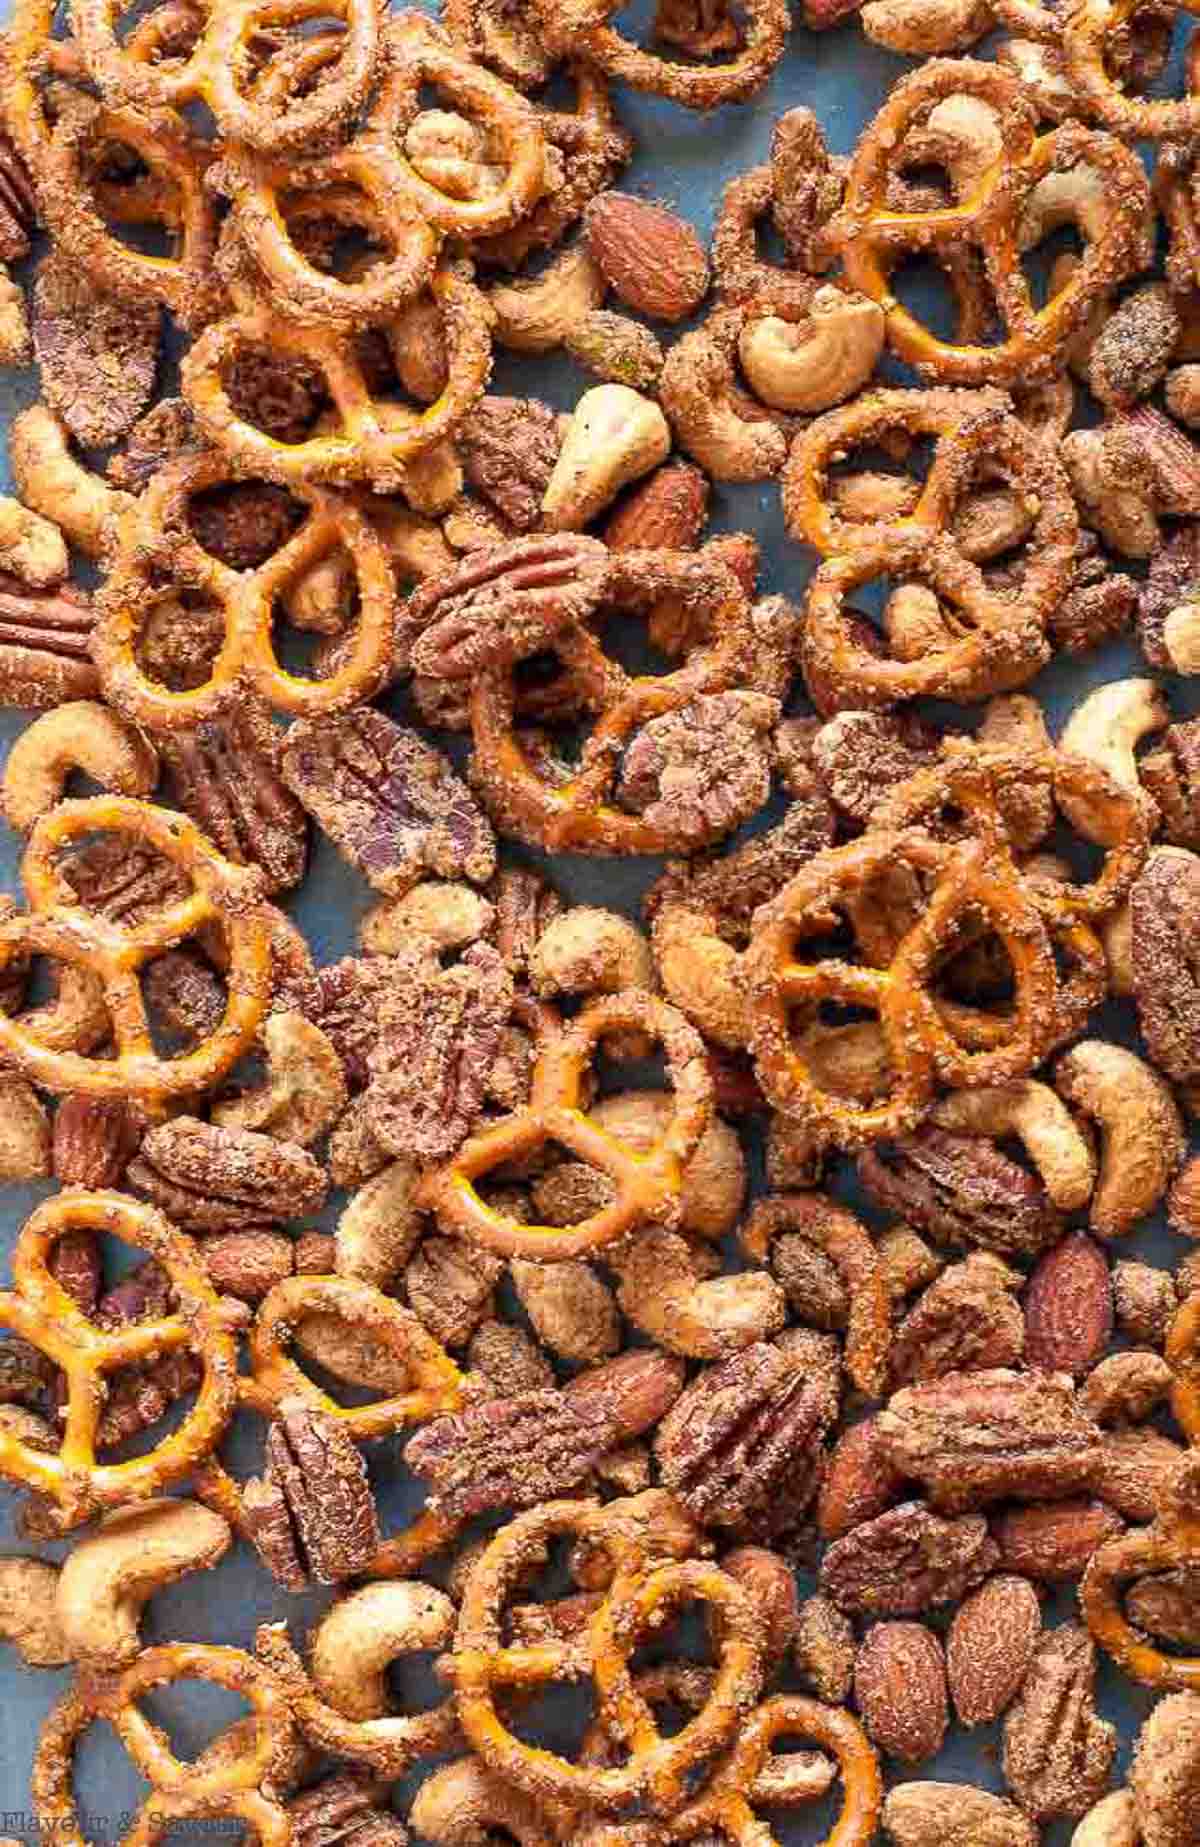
1172 1543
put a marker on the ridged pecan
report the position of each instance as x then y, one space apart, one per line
121 880
18 204
1057 1752
508 448
207 1178
908 1560
391 805
353 1000
504 605
968 1318
525 903
962 1190
311 1515
97 353
1172 775
137 1396
508 1452
1165 957
742 1447
976 1437
706 766
449 1287
225 774
861 756
184 996
345 1811
45 645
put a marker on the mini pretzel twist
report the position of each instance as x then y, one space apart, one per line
40 1311
872 236
580 28
1089 30
58 926
1172 1543
646 1185
846 1243
159 557
245 1786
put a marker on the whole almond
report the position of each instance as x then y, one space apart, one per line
668 510
859 1482
651 258
990 1645
954 1815
900 1690
1052 1541
1069 1307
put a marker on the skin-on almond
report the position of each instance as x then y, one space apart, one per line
650 258
1052 1541
990 1646
900 1690
667 510
859 1482
1069 1308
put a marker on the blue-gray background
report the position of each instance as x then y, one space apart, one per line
684 160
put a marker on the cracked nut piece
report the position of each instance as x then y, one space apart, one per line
906 1561
954 1815
304 1091
508 448
391 805
207 1178
1057 1752
990 1645
449 1288
978 1437
345 1809
900 1690
1165 960
968 1319
311 1515
615 436
571 1309
617 350
824 1650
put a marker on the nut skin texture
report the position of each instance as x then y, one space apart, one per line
954 1815
824 1650
93 1139
859 1482
900 1690
668 510
312 1515
990 1645
1057 1752
907 1561
1165 1778
967 1320
1168 1606
1054 1541
1068 1308
649 257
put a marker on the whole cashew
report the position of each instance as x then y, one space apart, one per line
535 317
29 1612
464 1805
345 1708
660 1291
1141 1133
81 735
305 1089
378 1231
111 1575
1041 1120
451 913
587 950
698 971
1106 728
810 364
1112 1823
52 483
697 390
615 436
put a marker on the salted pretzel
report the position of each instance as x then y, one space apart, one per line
247 1786
1172 1543
987 643
40 1311
159 558
581 29
212 71
574 811
642 1590
646 1185
728 1801
968 428
367 439
1090 31
872 236
836 1232
57 925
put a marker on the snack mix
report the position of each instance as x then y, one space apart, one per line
421 1213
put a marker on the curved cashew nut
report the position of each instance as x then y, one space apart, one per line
1041 1120
535 317
29 1612
464 1805
698 971
1106 728
697 392
927 28
661 1293
51 482
305 1089
31 547
25 1136
110 1576
818 361
1141 1133
81 735
452 914
587 950
961 134
378 1231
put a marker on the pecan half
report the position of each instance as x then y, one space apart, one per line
508 448
311 1516
908 1560
1172 775
1164 909
1057 1752
742 1447
962 1190
45 645
1168 1606
504 605
184 996
161 436
525 903
968 1318
121 880
449 1287
861 756
392 806
352 1000
508 1452
212 1179
975 1437
139 1395
225 774
97 353
705 767
18 204
345 1811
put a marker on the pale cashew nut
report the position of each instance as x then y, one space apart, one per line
1115 490
537 316
378 1231
615 436
305 1089
698 971
29 1612
449 913
31 547
1078 197
108 1579
1141 1132
811 364
698 392
25 1136
961 134
1041 1121
1112 1823
571 1308
464 1805
660 1291
927 28
81 735
1106 729
54 484
587 950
